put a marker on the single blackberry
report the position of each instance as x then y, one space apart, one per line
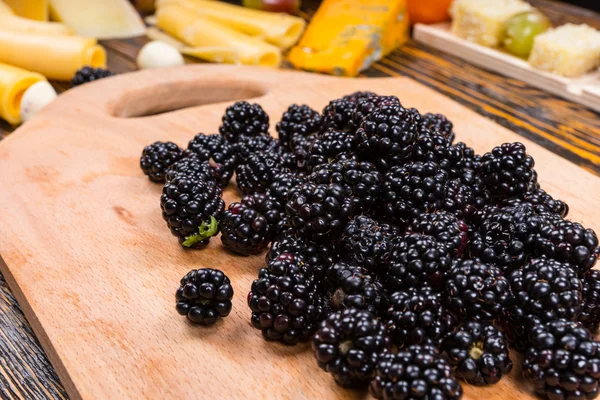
465 196
283 183
286 305
477 291
507 170
547 289
417 260
353 287
249 226
565 241
319 211
368 243
218 152
413 188
338 113
330 146
416 316
387 135
348 345
437 123
416 372
191 167
445 228
501 236
192 208
297 120
157 157
542 202
258 172
315 257
250 145
89 74
204 296
563 361
433 146
243 119
361 181
478 353
590 309
367 105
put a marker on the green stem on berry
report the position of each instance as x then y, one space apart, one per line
204 232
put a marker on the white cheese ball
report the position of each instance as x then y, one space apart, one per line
157 54
36 97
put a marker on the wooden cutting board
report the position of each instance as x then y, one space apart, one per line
95 268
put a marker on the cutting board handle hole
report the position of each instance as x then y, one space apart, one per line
173 96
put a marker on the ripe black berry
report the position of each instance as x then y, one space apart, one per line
353 287
243 119
297 120
204 296
157 157
590 309
219 154
507 170
256 174
445 228
89 74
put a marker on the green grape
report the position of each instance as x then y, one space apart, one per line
285 6
521 29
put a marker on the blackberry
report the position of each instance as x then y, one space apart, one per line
507 170
565 241
319 211
357 96
330 146
316 257
192 208
204 296
416 316
348 345
249 226
563 361
258 172
367 105
387 135
417 260
361 181
542 202
416 372
437 123
218 152
243 119
413 188
338 113
445 228
353 287
477 291
157 157
297 120
590 308
191 167
89 74
478 353
502 235
285 303
368 243
464 197
250 145
547 289
283 183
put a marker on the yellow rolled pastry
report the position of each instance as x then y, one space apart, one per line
32 9
199 32
280 29
211 54
20 24
55 57
13 83
5 10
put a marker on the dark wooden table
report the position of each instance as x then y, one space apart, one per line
566 128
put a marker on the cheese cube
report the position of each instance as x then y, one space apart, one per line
481 21
569 50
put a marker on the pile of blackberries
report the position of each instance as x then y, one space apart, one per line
408 260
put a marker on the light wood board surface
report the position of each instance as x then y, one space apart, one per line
95 268
583 89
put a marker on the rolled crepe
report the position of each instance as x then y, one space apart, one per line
200 32
280 29
24 25
55 57
13 83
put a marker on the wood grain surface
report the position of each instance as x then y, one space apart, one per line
567 129
95 268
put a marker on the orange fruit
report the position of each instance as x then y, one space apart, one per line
428 11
